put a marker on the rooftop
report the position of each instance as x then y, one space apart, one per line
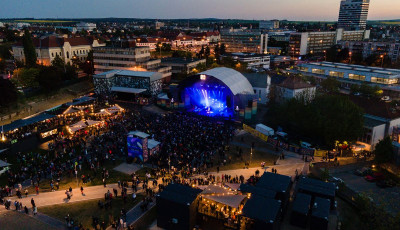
393 73
302 203
293 82
274 182
180 193
261 208
321 208
180 60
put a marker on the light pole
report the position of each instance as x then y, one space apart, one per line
350 53
3 138
159 46
325 54
382 56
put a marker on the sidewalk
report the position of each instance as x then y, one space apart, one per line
59 197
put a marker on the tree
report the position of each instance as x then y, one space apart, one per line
8 93
58 62
222 49
384 151
325 119
50 78
27 77
29 49
217 51
201 53
330 85
207 52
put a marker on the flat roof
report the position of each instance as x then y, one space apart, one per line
139 134
246 188
321 208
152 75
301 203
127 90
179 193
262 209
371 123
392 73
180 60
274 182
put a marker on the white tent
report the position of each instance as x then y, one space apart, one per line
230 200
115 109
77 126
91 122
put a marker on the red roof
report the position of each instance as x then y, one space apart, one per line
54 41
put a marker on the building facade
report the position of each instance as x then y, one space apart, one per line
303 43
85 26
47 48
269 25
245 41
368 48
251 59
134 59
182 65
125 81
351 73
353 14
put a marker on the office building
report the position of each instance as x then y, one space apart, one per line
253 60
303 43
182 65
48 47
269 25
353 14
131 58
245 41
368 48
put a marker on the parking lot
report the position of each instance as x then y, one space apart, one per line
388 197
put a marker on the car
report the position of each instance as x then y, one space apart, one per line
363 172
374 177
385 184
370 178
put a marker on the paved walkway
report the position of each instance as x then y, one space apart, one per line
59 197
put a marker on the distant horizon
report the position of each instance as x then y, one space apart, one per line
292 10
172 19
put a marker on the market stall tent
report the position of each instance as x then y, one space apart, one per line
77 126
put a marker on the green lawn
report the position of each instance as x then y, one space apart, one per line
82 212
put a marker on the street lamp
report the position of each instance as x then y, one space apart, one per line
382 56
350 53
325 54
3 138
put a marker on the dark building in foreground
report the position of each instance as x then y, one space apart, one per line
320 214
300 210
176 207
261 213
276 182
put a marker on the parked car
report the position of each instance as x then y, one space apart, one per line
374 177
385 184
363 172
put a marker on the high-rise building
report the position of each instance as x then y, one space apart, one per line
353 14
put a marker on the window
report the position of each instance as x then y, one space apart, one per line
303 69
52 54
318 71
336 74
67 54
357 77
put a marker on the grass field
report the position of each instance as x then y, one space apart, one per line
82 212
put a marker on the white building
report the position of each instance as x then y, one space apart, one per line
159 25
47 48
85 26
261 83
294 87
303 43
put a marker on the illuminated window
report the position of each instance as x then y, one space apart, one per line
202 77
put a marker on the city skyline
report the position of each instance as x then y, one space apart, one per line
179 9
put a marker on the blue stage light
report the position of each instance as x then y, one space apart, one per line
210 99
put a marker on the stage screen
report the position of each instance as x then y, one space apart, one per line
135 147
210 99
